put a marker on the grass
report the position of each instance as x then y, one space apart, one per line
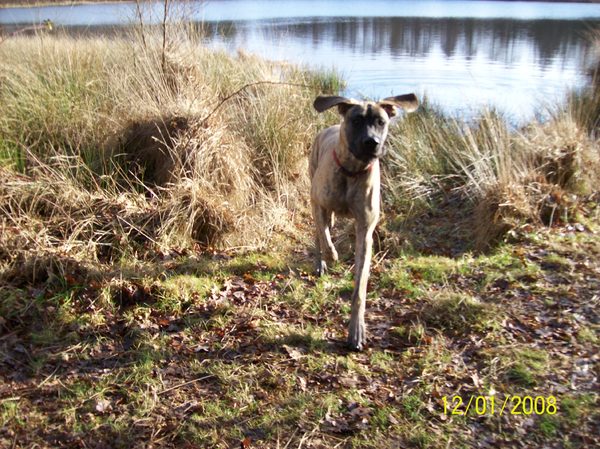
156 286
499 179
265 368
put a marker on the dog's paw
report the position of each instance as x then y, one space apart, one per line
357 336
321 268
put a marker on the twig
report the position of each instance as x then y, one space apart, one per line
164 40
46 25
290 439
183 384
43 382
138 11
307 435
244 87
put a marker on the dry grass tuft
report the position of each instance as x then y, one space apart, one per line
558 168
110 151
535 175
499 211
148 149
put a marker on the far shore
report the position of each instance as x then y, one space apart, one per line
34 3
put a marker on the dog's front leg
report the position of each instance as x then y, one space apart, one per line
357 332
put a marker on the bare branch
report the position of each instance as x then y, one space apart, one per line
243 88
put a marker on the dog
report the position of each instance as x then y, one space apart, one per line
345 181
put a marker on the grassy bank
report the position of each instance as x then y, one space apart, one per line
155 268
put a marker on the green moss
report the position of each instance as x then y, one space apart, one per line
432 269
458 312
528 367
548 426
398 278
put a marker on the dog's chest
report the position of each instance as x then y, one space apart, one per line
348 196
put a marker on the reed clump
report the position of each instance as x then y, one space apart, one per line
538 174
108 150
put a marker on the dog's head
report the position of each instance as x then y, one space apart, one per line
366 123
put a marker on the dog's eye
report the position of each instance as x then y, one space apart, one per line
356 121
380 122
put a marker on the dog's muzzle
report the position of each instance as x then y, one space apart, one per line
368 149
371 144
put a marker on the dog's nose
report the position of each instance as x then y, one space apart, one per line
370 143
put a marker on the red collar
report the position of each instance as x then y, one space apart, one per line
351 174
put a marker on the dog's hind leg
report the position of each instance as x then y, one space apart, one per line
324 250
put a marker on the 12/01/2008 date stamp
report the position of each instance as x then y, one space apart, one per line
492 405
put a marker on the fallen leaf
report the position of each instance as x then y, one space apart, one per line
348 382
294 353
103 405
302 383
239 294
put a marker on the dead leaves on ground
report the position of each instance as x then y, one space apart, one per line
548 328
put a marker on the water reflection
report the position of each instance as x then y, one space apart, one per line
463 55
460 63
499 40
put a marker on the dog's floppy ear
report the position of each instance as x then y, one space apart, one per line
322 103
407 102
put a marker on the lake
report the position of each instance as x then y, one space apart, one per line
514 56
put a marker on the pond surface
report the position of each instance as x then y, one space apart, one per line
514 56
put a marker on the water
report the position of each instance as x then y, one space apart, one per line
513 56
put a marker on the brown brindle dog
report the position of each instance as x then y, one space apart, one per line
345 180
